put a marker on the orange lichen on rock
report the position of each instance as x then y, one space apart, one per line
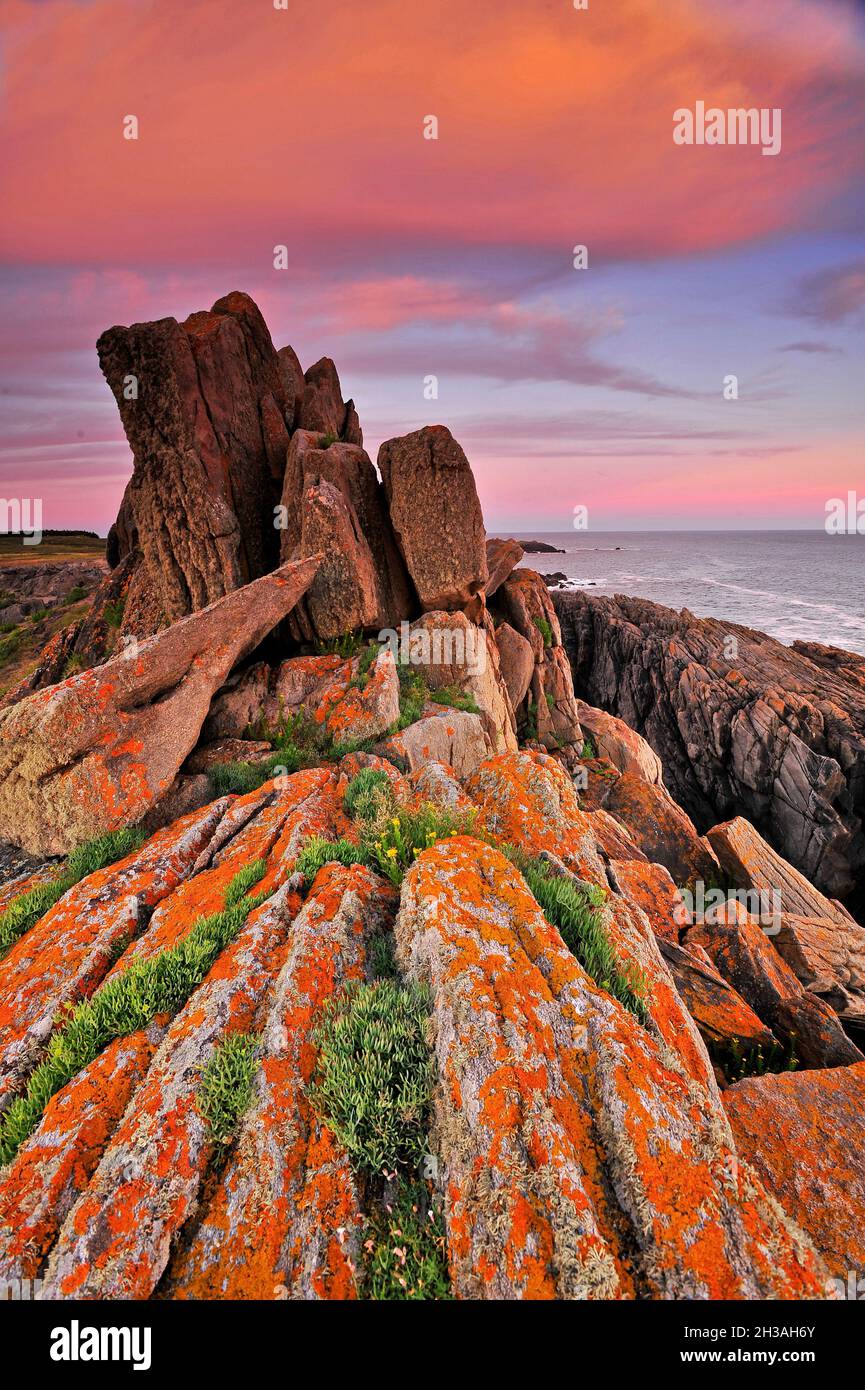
804 1134
67 954
578 1157
284 1219
116 1241
54 1166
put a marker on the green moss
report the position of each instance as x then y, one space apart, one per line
25 911
545 629
226 1085
374 1076
126 1003
75 595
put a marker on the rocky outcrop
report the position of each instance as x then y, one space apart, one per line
452 653
619 745
551 1098
95 752
436 516
828 958
449 736
750 863
319 406
804 1133
204 409
742 724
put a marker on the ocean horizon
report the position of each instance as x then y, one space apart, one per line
792 584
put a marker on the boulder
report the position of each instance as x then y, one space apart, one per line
436 516
828 959
804 1134
345 595
441 735
311 461
722 1016
502 558
743 954
663 831
551 714
616 743
368 708
95 752
450 652
204 408
516 663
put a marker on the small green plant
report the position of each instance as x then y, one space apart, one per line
25 911
545 629
113 612
37 615
10 644
365 665
577 910
588 749
364 793
237 777
348 645
126 1003
226 1085
405 1250
531 729
397 840
73 665
738 1062
455 698
374 1077
413 695
317 852
325 440
75 595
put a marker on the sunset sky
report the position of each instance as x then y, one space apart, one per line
410 257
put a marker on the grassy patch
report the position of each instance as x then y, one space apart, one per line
113 612
126 1003
396 841
75 595
455 698
588 749
577 911
405 1252
545 629
363 793
317 852
348 645
10 644
374 1076
738 1062
37 615
25 911
226 1085
73 665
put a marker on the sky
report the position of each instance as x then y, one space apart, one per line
409 257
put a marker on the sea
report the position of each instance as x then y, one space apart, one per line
791 584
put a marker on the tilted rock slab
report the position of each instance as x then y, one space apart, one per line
69 951
828 958
54 1166
804 1133
766 731
285 1219
752 864
577 1159
95 752
117 1239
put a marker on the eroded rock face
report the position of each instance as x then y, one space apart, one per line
449 651
550 712
321 407
663 831
800 1132
767 731
616 743
752 864
551 1097
95 752
828 958
436 516
502 558
204 408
